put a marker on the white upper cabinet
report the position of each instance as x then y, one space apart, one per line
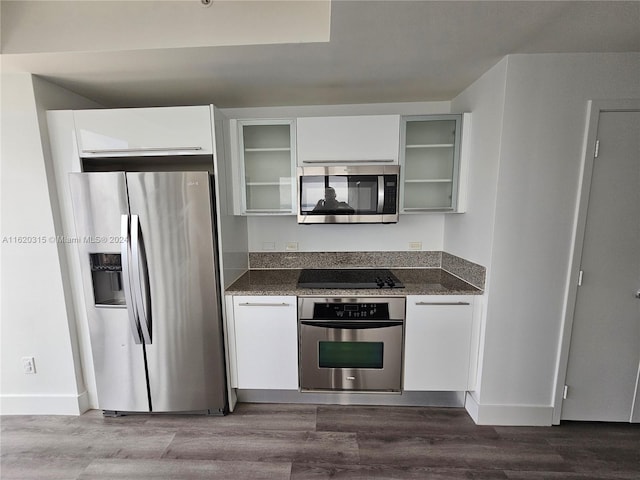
263 152
433 161
352 139
160 131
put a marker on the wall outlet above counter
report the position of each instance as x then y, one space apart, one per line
291 246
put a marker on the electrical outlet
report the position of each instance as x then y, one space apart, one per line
268 246
28 365
291 246
415 245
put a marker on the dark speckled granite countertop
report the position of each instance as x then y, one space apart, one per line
418 281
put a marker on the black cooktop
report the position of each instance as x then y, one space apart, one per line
348 278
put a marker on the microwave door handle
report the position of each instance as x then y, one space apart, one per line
125 260
141 284
380 193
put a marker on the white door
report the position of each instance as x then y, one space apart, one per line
604 356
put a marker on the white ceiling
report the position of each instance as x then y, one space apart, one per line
379 51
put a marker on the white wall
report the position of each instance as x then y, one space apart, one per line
401 108
470 235
112 26
232 230
36 316
427 229
64 152
545 106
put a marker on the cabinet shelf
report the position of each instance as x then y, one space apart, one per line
432 145
429 180
268 210
268 184
265 157
439 208
269 149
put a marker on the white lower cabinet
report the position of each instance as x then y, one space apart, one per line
438 343
266 342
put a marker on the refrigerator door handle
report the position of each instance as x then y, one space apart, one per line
128 294
141 279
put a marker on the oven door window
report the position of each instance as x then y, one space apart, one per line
339 195
350 355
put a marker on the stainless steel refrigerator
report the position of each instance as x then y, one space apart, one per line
148 256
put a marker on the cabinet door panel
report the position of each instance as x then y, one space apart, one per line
366 138
434 163
264 156
438 343
266 342
144 131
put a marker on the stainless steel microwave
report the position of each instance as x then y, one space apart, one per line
348 194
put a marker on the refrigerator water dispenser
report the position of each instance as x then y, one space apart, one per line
106 275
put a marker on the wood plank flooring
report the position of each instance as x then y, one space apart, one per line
312 442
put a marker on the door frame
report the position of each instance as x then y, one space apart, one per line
594 109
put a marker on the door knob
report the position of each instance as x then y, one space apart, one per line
638 294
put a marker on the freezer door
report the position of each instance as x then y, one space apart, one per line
99 203
185 357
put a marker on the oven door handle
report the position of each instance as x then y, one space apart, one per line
352 325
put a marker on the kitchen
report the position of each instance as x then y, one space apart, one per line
513 209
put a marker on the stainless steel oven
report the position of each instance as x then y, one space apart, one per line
351 344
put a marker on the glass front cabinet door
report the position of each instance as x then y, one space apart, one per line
432 167
265 164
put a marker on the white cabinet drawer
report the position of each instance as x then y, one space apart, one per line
125 132
352 139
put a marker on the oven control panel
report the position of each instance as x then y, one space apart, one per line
350 311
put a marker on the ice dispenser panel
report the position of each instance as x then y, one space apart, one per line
106 275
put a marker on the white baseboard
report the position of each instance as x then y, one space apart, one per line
514 415
471 406
44 404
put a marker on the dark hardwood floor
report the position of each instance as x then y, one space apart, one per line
274 441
